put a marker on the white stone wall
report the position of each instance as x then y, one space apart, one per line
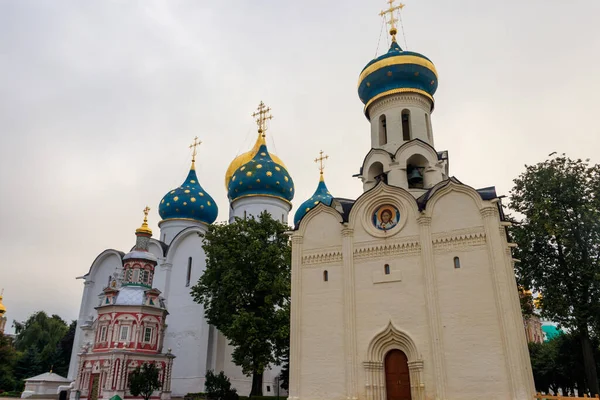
256 205
457 326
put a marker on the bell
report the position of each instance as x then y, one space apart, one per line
415 177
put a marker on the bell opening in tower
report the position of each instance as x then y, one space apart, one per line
382 130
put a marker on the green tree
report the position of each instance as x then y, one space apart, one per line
8 359
44 334
218 387
245 291
28 364
143 381
559 245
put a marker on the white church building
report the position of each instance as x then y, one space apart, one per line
409 291
257 181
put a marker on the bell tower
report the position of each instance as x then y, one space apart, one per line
397 89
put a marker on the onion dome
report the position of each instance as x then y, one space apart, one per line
321 195
189 201
397 71
246 157
2 307
261 176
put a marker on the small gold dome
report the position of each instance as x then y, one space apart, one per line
246 157
2 308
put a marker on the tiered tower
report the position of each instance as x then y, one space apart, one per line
129 330
397 90
258 180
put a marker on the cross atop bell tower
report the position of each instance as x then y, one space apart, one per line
262 115
320 160
392 20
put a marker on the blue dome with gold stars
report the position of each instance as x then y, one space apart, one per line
321 195
189 201
261 176
397 71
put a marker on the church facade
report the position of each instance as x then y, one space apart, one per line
407 292
257 181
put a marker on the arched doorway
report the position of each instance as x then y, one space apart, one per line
397 376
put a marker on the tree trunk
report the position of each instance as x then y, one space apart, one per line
257 378
589 363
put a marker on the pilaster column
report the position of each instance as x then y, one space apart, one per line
433 308
296 317
349 313
505 292
167 267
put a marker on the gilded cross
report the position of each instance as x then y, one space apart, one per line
262 115
392 20
146 211
195 146
320 160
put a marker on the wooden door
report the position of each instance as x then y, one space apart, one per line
94 387
397 376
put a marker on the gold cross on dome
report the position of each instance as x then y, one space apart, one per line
320 160
194 146
392 20
146 211
262 115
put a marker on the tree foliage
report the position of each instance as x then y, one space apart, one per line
218 387
559 245
558 364
8 359
245 290
143 381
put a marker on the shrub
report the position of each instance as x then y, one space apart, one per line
218 387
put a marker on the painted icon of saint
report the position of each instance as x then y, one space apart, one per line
386 217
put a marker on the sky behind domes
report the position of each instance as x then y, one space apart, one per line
100 99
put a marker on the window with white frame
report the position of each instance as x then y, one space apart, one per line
103 334
148 335
124 335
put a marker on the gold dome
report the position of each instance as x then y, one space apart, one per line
246 157
2 308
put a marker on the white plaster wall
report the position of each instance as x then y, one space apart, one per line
171 227
107 264
187 331
323 344
256 205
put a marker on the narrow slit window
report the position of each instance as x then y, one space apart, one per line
406 125
456 262
188 275
245 214
103 334
325 276
382 130
386 269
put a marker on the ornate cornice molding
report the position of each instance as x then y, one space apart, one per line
297 238
458 240
424 221
347 232
488 212
401 99
330 256
405 248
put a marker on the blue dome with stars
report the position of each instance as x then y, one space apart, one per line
397 71
321 195
261 176
189 201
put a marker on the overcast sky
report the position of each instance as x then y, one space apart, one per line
100 99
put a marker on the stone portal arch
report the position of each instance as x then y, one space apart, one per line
391 338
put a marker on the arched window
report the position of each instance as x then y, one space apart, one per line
283 218
188 276
325 276
406 125
386 269
382 130
245 214
456 262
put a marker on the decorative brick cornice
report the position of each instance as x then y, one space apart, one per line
460 240
405 248
327 257
400 99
